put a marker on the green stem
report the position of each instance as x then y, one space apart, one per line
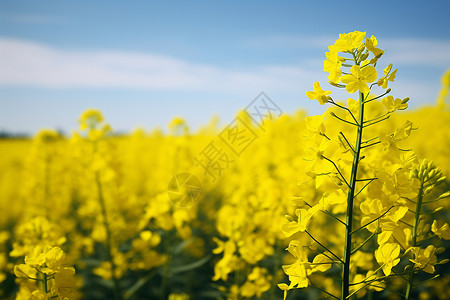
109 254
414 238
350 198
44 281
46 186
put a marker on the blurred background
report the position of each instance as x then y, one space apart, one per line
144 62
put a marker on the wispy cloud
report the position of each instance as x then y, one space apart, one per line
30 64
404 51
408 51
25 63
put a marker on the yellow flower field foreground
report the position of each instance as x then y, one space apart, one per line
155 215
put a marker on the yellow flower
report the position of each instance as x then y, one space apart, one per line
299 270
359 78
90 119
397 104
348 42
371 45
332 65
284 287
314 125
332 198
318 94
388 76
39 295
321 263
442 232
387 255
36 259
24 271
303 217
424 259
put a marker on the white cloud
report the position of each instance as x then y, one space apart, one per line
25 63
402 51
408 51
30 64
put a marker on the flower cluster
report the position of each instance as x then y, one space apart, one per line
368 184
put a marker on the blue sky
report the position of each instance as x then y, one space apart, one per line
144 62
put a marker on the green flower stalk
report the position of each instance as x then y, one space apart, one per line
370 174
429 177
91 121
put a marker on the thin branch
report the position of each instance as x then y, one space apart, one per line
398 243
401 275
378 278
351 147
373 144
365 242
367 179
377 118
347 109
349 296
343 178
328 213
385 93
356 230
377 121
363 188
426 239
431 201
324 247
388 289
332 215
426 280
405 223
412 201
369 140
324 253
345 121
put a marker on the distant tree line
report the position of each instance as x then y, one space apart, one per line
10 135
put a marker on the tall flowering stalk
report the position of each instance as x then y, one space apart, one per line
371 173
91 121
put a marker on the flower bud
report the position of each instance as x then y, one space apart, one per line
432 173
444 195
421 173
428 189
440 250
361 48
440 180
289 218
405 100
438 210
364 56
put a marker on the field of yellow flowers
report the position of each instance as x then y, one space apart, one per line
358 196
